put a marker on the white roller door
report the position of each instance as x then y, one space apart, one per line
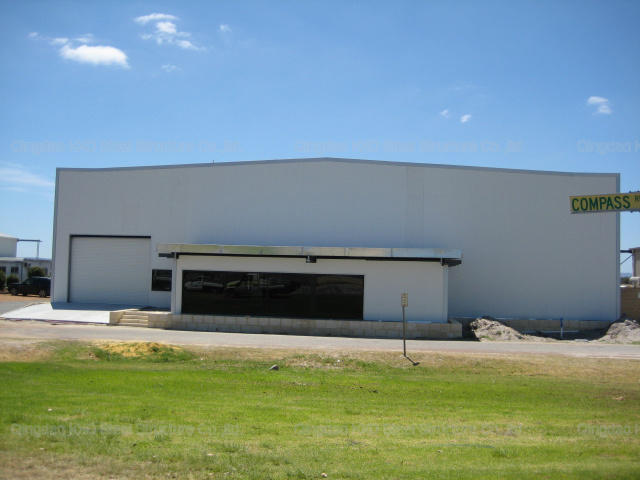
113 270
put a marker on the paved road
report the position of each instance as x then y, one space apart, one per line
9 302
67 331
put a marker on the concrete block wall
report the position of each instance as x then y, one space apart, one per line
115 316
354 328
304 326
554 325
545 325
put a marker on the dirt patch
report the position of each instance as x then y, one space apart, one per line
135 349
144 350
627 331
489 329
7 297
24 350
49 466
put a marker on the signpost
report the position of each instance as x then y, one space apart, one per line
610 202
405 303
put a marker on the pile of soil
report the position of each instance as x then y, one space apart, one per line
627 331
138 349
489 329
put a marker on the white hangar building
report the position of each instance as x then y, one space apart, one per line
336 239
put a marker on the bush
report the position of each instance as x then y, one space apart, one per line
3 280
36 272
12 279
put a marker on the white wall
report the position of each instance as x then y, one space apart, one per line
383 282
525 255
8 246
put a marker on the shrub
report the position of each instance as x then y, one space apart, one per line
36 272
12 279
3 280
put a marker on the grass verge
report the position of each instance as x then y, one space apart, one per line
143 410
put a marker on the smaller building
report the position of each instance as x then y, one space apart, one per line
630 293
11 264
8 245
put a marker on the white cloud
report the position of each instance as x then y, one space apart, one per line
14 177
187 45
465 118
95 55
166 27
154 17
166 31
16 189
445 113
224 28
169 68
87 38
596 100
603 105
464 87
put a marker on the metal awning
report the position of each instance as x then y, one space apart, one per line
450 257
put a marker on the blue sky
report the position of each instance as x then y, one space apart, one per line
535 85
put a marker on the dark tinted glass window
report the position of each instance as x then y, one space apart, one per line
161 280
273 294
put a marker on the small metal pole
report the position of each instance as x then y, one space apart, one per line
404 297
404 332
38 242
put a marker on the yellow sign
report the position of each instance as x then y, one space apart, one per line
611 202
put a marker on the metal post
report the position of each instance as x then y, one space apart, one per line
404 332
37 245
405 303
561 329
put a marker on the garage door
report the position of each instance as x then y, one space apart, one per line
112 270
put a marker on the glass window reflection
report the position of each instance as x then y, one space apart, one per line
273 294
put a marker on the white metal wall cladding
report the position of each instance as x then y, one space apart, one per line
110 270
525 255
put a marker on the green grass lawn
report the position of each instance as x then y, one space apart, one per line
81 411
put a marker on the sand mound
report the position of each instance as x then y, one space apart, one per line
488 329
627 331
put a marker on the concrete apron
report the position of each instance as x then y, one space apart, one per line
66 312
